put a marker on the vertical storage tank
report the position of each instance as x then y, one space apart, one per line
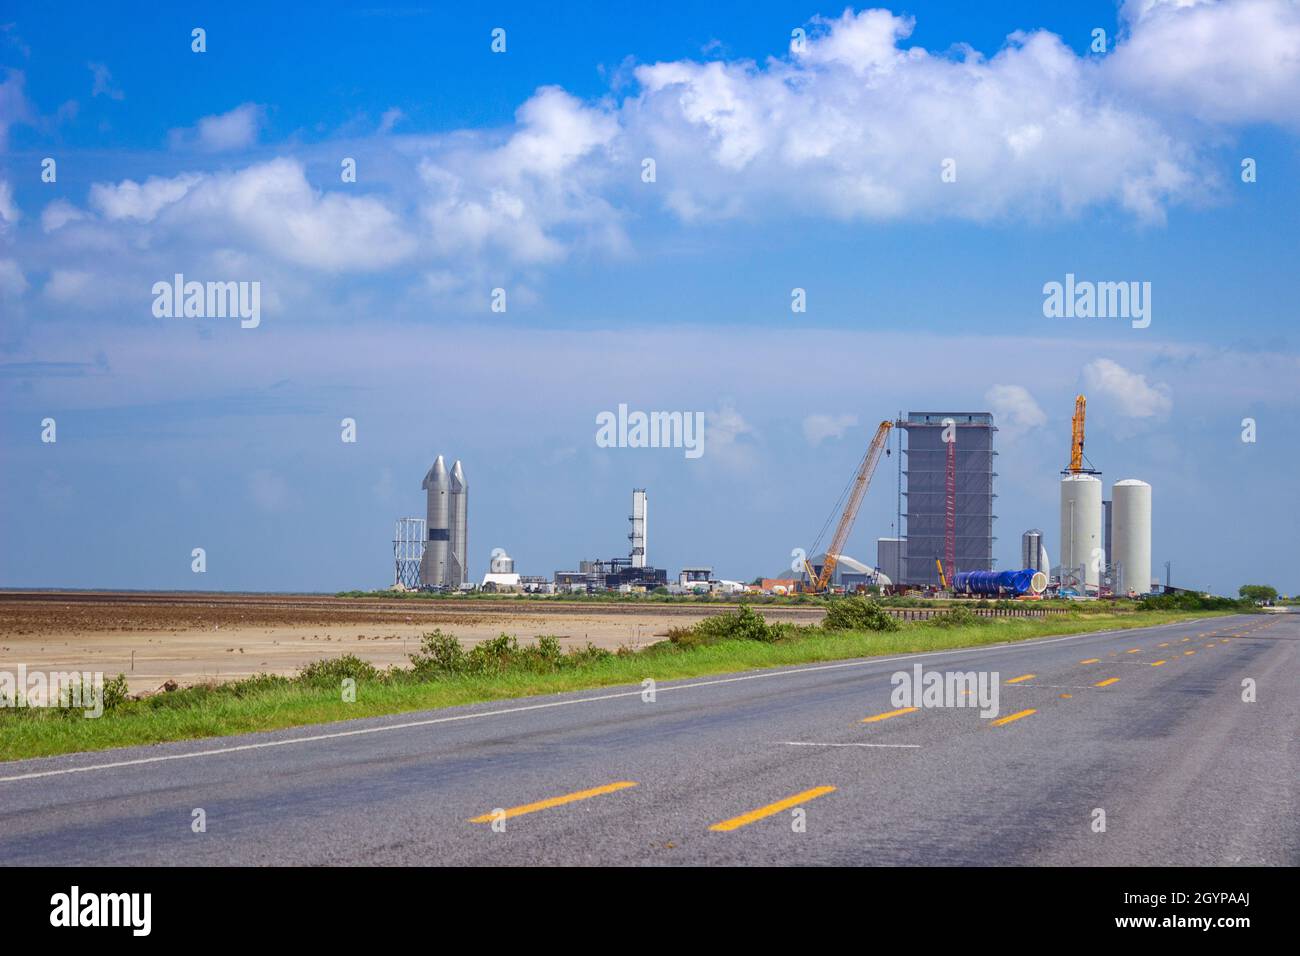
1031 550
1131 535
1081 544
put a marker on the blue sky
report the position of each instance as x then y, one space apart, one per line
776 169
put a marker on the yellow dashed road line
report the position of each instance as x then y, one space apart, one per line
888 714
744 819
1158 663
1091 660
1107 682
1010 717
554 802
1017 680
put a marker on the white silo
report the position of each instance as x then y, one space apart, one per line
1081 544
1131 535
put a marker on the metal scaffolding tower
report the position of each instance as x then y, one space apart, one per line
408 552
950 513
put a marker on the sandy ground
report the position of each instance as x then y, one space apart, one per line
153 638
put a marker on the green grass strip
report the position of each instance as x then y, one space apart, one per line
276 704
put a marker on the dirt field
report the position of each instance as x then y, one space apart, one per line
191 638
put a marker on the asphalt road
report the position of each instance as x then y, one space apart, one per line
765 767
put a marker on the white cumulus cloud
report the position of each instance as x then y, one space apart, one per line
1234 62
1014 410
817 428
273 208
222 132
858 126
139 201
58 214
1130 391
9 213
12 281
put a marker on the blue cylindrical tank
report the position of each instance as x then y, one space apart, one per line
992 583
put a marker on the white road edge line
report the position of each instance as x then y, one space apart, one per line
262 745
815 743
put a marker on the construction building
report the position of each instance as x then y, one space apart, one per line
695 577
619 573
947 467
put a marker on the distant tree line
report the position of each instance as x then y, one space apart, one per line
1260 593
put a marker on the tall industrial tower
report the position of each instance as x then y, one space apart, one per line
929 497
639 521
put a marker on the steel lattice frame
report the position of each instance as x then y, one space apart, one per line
950 514
408 551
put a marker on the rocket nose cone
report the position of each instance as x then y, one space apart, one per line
457 477
437 475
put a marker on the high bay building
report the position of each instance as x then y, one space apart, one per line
924 492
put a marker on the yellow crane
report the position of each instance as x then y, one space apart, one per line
820 582
1076 436
1076 466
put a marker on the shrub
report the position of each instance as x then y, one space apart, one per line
1192 602
591 654
439 654
540 658
685 637
260 683
115 692
332 671
494 656
743 625
858 614
957 617
73 697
